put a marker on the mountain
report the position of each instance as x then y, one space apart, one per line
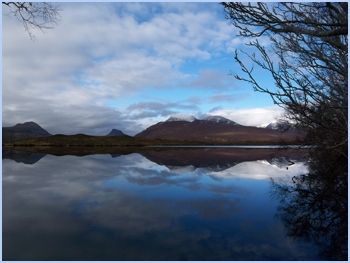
115 132
281 126
25 130
216 129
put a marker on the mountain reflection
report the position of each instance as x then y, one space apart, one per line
22 156
315 205
182 159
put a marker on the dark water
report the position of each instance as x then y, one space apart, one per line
202 204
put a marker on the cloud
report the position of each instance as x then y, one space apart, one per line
261 170
151 112
213 79
100 52
223 97
159 106
89 119
252 116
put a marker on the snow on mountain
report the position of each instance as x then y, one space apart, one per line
281 125
218 119
188 118
272 125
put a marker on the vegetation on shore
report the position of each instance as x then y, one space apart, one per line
123 141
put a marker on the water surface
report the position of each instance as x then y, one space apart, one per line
199 204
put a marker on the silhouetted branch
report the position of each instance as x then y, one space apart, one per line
307 60
34 15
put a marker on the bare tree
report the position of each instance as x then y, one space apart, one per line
308 61
34 15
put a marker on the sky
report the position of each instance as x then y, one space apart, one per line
128 66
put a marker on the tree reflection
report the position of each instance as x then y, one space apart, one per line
314 205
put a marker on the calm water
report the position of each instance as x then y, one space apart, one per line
151 206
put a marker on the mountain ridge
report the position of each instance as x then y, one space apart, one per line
216 129
175 130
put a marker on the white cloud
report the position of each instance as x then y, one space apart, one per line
251 116
213 79
130 73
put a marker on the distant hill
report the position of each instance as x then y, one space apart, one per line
27 130
216 129
115 132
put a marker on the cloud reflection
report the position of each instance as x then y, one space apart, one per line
128 208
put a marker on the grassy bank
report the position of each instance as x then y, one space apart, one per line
81 140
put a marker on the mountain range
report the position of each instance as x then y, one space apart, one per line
216 129
177 159
210 130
